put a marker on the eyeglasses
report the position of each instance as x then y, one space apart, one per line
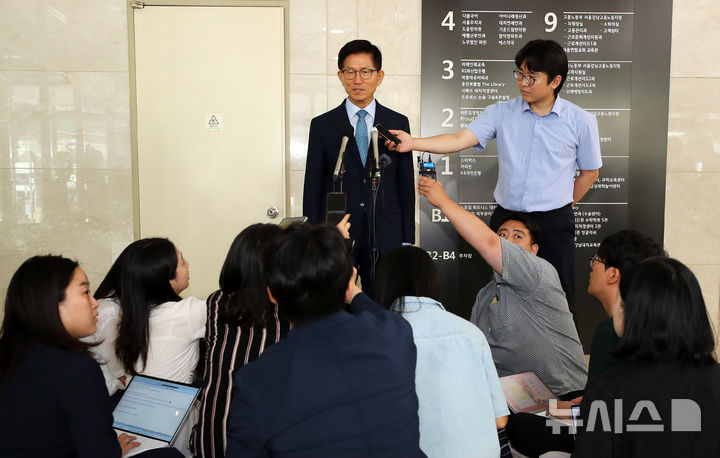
530 80
365 73
594 258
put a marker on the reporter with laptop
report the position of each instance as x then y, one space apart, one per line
53 397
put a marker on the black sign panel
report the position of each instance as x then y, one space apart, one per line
613 47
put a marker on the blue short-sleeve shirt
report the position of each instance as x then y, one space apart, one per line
538 155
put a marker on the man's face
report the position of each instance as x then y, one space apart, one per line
598 278
360 91
603 282
541 90
517 233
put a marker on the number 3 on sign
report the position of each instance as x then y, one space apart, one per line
551 22
448 21
448 72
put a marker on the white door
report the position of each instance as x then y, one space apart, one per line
210 85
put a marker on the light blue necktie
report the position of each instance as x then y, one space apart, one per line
361 137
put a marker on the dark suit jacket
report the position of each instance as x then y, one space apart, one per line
340 386
396 197
55 404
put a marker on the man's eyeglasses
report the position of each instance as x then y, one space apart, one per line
530 80
365 73
594 258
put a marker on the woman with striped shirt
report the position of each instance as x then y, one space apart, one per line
241 323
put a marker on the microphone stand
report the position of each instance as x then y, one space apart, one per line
375 182
340 178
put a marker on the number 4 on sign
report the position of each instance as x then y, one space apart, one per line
448 21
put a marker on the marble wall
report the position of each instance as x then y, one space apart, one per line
65 167
692 227
65 170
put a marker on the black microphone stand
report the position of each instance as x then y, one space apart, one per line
339 178
375 182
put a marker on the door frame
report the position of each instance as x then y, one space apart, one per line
135 4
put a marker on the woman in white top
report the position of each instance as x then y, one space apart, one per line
144 326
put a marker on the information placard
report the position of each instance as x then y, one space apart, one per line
613 47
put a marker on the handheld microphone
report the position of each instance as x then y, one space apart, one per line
347 133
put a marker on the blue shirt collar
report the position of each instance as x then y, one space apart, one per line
352 109
558 107
415 303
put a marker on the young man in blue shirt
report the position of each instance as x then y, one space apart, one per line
542 140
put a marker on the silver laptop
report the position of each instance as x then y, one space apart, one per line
154 410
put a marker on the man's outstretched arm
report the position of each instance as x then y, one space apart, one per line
439 144
470 227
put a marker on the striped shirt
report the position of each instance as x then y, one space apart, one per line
228 347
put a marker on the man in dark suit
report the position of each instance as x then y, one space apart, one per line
360 72
340 383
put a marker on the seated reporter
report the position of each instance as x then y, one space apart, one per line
667 386
144 326
341 383
54 401
522 310
242 324
461 402
530 434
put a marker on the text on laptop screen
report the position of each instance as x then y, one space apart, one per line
153 408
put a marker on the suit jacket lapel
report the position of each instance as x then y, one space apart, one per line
379 114
341 120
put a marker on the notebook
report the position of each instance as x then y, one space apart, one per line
154 410
526 393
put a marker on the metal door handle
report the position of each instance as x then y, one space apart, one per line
272 212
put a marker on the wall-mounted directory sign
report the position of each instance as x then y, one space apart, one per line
619 60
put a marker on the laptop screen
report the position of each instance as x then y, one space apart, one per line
153 407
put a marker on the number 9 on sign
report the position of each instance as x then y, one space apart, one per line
550 21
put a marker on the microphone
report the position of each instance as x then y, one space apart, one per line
374 139
347 133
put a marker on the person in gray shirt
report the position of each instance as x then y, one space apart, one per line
522 311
